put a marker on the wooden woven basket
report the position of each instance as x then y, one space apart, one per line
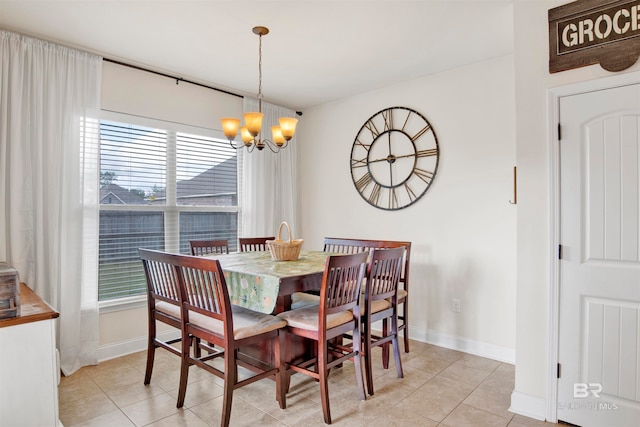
285 250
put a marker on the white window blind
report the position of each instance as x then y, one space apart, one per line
161 185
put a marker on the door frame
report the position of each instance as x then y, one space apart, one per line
553 99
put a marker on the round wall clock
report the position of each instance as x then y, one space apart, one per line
394 158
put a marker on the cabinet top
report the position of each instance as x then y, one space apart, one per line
32 309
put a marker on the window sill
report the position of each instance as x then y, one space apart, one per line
121 304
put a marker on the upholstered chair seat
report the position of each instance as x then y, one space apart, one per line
167 308
376 306
246 322
307 318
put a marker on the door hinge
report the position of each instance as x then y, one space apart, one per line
559 251
558 371
559 132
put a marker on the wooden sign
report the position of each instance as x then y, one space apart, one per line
588 32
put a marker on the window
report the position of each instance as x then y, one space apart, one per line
161 185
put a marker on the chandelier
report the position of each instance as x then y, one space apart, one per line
250 133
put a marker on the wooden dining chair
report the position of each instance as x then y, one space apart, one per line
349 245
163 304
209 316
207 247
337 313
380 303
254 244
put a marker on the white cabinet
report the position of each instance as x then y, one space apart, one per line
28 367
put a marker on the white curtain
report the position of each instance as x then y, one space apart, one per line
269 180
49 105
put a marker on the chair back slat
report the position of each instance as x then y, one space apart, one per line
206 288
350 245
344 246
254 244
209 247
162 280
342 281
197 282
384 273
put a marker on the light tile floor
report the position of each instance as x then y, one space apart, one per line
441 387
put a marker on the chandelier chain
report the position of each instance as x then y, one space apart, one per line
260 73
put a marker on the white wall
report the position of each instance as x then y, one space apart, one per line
533 82
462 230
131 91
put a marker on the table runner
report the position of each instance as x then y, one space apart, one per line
254 278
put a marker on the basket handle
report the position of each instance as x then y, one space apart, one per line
288 230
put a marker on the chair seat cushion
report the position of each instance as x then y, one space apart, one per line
303 299
307 318
402 294
168 309
376 306
246 322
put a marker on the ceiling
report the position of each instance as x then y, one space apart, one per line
317 51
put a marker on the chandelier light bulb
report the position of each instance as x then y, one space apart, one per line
276 134
288 126
230 127
247 138
254 122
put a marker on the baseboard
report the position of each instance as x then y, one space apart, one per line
122 348
528 406
466 345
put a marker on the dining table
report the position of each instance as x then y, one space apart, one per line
258 282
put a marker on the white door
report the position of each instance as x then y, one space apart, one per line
599 346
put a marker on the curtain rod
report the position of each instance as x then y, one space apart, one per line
177 79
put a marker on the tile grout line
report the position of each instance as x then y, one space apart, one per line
471 392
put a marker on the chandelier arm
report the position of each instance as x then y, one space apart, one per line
275 148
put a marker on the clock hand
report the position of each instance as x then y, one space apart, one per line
405 155
384 159
391 158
